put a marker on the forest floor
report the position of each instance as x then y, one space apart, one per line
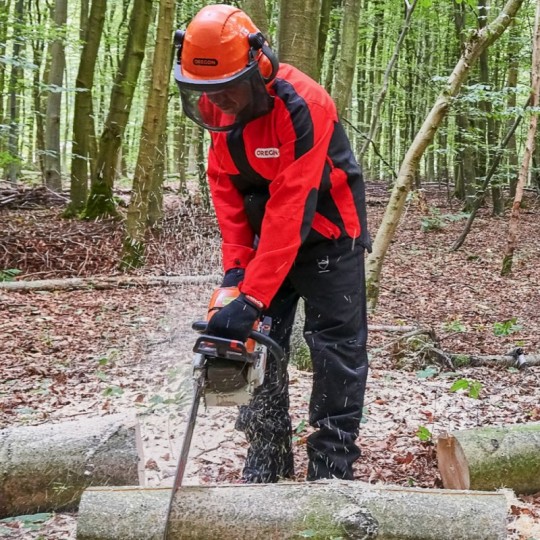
71 354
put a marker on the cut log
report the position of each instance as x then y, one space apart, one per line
47 467
491 457
324 509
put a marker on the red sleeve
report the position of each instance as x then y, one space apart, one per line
305 134
237 235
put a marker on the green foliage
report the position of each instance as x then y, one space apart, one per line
462 360
8 159
113 391
505 328
9 274
365 415
300 428
471 387
437 221
424 434
427 373
301 357
454 325
132 255
30 522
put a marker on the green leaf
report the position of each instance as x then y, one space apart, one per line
423 433
506 328
430 371
455 326
301 427
365 414
9 274
29 518
474 389
460 384
113 391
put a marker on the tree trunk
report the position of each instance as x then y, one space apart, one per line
100 202
38 48
324 27
47 467
84 131
13 162
490 458
325 509
298 34
511 83
347 58
256 9
479 41
4 17
52 161
334 47
511 241
152 129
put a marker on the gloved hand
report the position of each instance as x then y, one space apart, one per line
235 320
233 277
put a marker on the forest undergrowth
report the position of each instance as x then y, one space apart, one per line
70 354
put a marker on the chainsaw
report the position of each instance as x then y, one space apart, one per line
226 372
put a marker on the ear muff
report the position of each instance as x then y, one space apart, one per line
268 61
178 42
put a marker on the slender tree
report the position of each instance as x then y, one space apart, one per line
4 12
151 137
512 75
511 242
37 18
13 160
347 59
101 202
52 160
84 131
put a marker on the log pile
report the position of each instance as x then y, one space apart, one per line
27 198
47 467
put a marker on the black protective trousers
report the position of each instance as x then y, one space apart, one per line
329 276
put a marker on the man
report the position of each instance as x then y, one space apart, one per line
289 199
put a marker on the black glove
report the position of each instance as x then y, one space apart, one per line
235 320
233 277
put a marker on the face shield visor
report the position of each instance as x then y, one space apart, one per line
223 104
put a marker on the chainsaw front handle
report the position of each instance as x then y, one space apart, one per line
275 350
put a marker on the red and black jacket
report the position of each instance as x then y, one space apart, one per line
295 166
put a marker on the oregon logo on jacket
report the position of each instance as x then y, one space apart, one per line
267 153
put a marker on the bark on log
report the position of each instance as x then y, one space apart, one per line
491 458
325 509
47 467
105 282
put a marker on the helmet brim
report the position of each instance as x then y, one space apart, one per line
185 80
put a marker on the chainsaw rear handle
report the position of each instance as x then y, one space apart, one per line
275 350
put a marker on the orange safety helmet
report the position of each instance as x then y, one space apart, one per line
220 50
